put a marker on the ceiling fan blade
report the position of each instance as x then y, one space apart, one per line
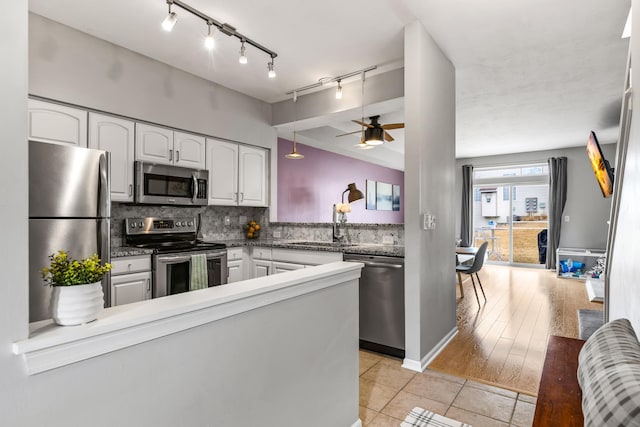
350 133
387 137
361 123
393 126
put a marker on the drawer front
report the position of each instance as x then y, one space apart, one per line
234 254
261 253
130 264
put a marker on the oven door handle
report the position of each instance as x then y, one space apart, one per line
172 259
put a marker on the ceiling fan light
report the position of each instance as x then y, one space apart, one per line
374 136
363 146
294 155
169 21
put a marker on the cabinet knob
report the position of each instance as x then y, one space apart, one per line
130 189
170 155
177 156
129 267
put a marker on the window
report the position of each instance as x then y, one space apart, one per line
505 171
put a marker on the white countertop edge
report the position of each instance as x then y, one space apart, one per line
51 346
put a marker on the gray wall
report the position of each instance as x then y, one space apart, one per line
71 66
587 209
430 301
624 274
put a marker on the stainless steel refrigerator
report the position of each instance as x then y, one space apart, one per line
69 209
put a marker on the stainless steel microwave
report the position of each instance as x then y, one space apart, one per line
159 184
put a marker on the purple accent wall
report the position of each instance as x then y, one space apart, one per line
308 188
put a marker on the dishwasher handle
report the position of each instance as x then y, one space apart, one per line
382 264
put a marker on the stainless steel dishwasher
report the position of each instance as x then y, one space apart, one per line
381 303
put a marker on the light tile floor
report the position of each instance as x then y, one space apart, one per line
388 392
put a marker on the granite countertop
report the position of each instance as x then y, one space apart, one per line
361 248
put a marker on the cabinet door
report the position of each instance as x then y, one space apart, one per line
154 144
57 124
116 136
281 267
261 268
189 150
234 269
252 178
222 162
129 288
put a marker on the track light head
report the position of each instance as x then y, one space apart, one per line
272 72
243 57
209 42
170 20
339 91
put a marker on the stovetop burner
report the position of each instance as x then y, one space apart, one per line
166 234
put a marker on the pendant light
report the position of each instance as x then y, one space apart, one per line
363 145
170 20
209 43
294 155
243 57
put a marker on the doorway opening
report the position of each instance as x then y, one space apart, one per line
510 213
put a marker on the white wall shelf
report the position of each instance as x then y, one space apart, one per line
587 257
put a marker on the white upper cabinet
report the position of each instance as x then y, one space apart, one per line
222 163
189 150
57 124
237 174
252 176
161 145
154 144
116 136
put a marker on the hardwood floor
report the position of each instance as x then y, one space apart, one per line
504 341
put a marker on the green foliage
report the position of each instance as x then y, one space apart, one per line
65 271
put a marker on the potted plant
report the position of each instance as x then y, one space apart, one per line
77 295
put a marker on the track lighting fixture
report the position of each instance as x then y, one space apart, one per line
225 28
339 90
209 43
294 155
170 20
243 57
272 72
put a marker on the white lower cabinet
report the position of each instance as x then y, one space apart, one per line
130 279
261 267
235 265
282 267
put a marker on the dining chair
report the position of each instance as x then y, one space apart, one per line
478 261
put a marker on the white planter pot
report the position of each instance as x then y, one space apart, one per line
75 305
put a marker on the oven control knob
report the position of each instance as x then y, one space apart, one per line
179 224
190 224
140 224
132 225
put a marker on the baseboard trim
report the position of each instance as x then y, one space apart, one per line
421 365
357 423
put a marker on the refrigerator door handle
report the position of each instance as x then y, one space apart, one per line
104 186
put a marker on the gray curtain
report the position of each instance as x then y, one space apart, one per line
466 233
557 200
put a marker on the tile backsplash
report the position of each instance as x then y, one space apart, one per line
214 229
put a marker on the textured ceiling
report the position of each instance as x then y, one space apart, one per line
530 74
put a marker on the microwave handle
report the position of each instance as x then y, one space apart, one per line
194 183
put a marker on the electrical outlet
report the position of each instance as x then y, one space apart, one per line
276 234
387 240
567 218
242 219
227 220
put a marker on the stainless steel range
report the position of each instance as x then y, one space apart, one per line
174 242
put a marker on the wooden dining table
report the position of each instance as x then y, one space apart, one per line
464 250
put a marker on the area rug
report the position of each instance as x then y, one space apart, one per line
419 417
588 322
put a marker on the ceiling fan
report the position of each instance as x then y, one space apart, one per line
375 131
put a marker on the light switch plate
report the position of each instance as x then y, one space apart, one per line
387 240
429 221
227 220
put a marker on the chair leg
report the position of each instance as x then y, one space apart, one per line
460 284
480 283
474 289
